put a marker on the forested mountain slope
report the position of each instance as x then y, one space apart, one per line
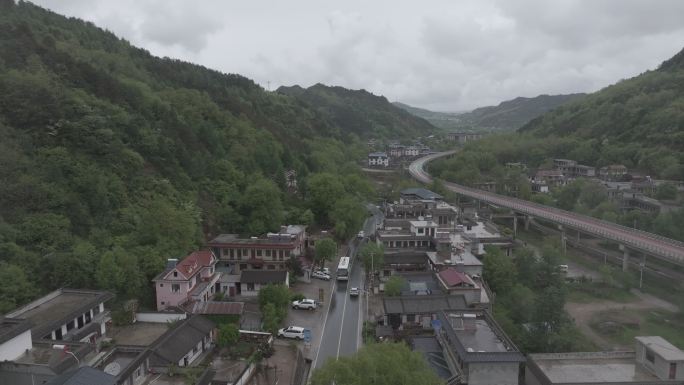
508 115
360 112
112 160
639 121
513 114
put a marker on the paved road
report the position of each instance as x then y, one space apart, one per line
342 327
652 244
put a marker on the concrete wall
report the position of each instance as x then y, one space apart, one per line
159 317
493 373
15 347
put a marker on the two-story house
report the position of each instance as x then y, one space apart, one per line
270 253
192 279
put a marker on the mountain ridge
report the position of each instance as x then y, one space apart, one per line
507 115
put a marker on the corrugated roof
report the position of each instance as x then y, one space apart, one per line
421 193
217 307
416 304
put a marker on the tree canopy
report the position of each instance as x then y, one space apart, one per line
378 364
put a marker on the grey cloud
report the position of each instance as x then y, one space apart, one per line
446 56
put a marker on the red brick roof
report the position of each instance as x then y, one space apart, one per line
454 278
194 262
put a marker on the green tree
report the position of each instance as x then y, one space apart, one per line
278 296
372 256
499 270
666 191
377 364
326 249
394 285
271 319
228 335
323 191
15 287
348 216
261 207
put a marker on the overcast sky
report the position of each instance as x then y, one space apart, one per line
444 55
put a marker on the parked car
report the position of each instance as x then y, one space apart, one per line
321 275
306 303
295 332
324 270
354 292
361 234
563 268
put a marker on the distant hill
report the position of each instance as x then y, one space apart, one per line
360 112
443 120
508 115
644 111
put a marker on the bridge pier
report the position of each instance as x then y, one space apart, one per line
564 239
515 225
625 257
527 222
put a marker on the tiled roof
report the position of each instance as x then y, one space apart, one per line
180 340
263 276
194 262
84 376
12 327
452 277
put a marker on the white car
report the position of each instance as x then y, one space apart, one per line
295 332
324 270
321 275
361 234
306 303
354 292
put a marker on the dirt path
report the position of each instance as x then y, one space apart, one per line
583 313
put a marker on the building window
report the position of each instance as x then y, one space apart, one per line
70 325
245 252
258 252
250 287
268 253
175 274
175 288
161 285
163 303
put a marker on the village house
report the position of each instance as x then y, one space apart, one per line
251 281
476 349
411 151
193 279
51 335
613 172
654 361
269 253
550 178
463 137
378 159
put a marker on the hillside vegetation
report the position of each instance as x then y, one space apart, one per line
360 112
112 160
508 115
637 122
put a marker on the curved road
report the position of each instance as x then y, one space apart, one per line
661 247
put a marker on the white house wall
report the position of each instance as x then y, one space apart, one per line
15 347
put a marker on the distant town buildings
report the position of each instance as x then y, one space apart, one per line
463 137
378 159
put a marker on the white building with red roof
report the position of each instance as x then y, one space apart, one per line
193 279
